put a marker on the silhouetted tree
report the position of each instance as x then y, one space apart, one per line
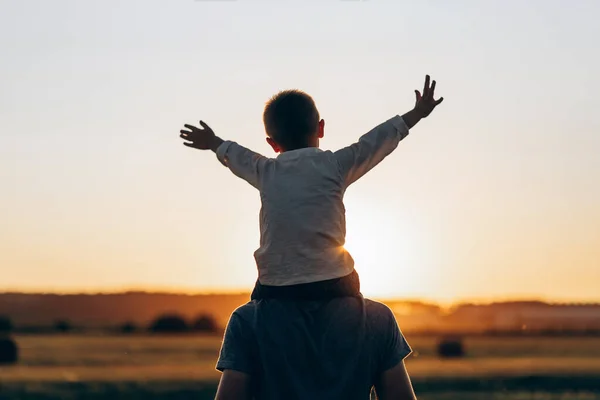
34 329
128 327
205 323
9 352
169 323
63 326
6 325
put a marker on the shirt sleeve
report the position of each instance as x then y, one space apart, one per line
243 162
360 157
236 351
395 347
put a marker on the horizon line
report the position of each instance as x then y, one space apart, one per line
242 292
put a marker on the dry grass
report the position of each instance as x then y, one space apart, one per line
132 366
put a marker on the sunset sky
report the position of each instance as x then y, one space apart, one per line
496 195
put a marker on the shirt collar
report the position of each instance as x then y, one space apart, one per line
295 153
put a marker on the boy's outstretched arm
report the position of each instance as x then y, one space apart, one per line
360 157
244 163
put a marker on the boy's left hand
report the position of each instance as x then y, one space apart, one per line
425 102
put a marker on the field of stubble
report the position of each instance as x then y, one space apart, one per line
146 367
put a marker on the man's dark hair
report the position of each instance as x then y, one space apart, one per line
290 118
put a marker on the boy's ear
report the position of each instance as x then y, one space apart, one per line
274 145
321 128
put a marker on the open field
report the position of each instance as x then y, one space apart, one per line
98 367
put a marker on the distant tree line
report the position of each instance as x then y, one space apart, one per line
174 323
206 323
166 323
59 326
548 332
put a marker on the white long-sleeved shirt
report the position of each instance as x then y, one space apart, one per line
302 217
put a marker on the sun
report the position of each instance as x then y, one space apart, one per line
384 252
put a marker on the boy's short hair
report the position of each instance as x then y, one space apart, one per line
290 118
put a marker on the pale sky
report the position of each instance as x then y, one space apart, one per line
495 195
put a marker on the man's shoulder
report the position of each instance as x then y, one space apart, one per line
245 310
377 307
379 316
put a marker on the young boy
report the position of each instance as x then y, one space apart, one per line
301 254
302 219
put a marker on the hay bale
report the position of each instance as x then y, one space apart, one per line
451 348
9 352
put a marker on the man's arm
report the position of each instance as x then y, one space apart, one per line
394 384
244 163
359 158
234 385
237 357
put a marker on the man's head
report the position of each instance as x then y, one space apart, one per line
292 121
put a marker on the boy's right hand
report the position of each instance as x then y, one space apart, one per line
200 138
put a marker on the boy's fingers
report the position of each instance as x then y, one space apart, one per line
426 86
183 131
189 145
432 89
190 127
418 95
185 137
205 126
439 101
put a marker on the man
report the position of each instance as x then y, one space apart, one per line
315 349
